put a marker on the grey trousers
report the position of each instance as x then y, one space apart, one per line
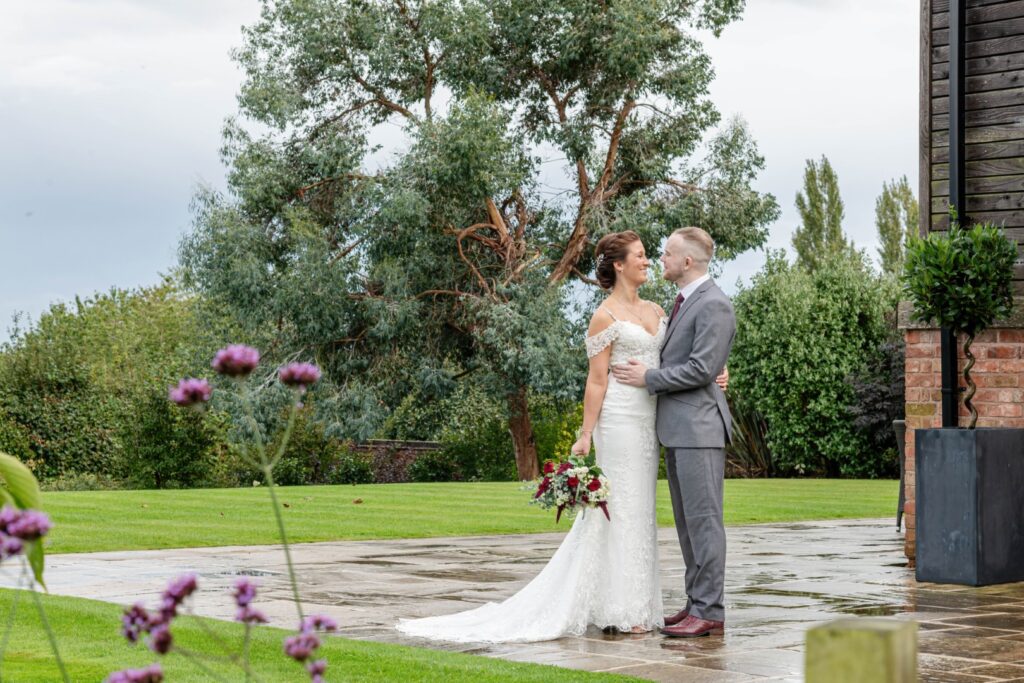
696 478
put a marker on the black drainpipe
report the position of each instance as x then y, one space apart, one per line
957 191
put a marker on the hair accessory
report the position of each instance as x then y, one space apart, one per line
600 260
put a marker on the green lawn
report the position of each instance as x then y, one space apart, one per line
92 647
132 520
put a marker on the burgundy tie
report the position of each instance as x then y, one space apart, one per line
675 309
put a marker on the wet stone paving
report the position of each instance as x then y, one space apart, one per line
781 580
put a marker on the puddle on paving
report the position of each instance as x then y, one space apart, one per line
464 574
245 572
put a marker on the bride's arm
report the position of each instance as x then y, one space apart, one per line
597 383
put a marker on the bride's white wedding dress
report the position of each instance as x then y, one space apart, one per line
604 573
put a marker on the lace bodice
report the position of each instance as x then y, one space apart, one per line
629 340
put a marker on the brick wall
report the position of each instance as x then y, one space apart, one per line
999 364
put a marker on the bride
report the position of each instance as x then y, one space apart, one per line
605 573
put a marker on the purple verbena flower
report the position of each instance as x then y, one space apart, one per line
299 375
301 646
175 593
318 622
28 525
236 360
190 392
160 638
316 670
248 614
135 621
151 674
245 592
10 546
181 587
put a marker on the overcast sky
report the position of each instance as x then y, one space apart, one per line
111 110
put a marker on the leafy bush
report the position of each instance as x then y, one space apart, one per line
435 466
311 457
80 381
879 398
83 482
800 335
14 439
173 448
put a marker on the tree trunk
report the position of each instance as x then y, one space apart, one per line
522 435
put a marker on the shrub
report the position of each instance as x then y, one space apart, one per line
435 466
172 448
78 379
799 336
748 452
961 280
879 398
311 457
14 440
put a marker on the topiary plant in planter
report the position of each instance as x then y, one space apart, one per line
970 524
961 280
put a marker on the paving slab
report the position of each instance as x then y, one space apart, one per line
781 579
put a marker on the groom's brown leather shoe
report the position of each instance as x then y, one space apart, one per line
676 618
694 627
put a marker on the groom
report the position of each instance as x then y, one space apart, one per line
694 424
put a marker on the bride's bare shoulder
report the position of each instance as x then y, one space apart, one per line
600 321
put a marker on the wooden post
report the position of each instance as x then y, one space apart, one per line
862 651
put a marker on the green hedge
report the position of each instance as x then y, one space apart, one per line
800 337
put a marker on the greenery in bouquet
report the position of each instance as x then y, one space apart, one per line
575 483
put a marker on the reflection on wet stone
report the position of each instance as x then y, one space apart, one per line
781 580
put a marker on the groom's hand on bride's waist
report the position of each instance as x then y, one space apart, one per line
631 372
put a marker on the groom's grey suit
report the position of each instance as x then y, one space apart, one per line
694 425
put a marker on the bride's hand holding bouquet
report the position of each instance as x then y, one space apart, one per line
576 483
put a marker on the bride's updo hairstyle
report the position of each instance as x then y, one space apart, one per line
611 249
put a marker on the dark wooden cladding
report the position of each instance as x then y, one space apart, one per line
980 15
942 6
993 150
993 118
980 117
979 32
1010 201
982 100
976 185
940 138
980 48
984 65
983 83
982 169
1004 219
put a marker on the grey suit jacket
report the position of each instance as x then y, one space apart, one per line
692 410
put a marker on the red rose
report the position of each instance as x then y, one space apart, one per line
563 467
594 484
584 498
549 467
573 482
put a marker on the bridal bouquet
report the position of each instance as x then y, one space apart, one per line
576 483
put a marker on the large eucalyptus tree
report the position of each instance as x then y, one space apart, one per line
413 183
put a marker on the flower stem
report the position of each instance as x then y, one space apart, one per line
245 652
49 633
9 627
269 475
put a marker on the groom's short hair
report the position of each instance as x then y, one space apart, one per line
698 243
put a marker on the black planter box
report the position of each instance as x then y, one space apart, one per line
970 505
